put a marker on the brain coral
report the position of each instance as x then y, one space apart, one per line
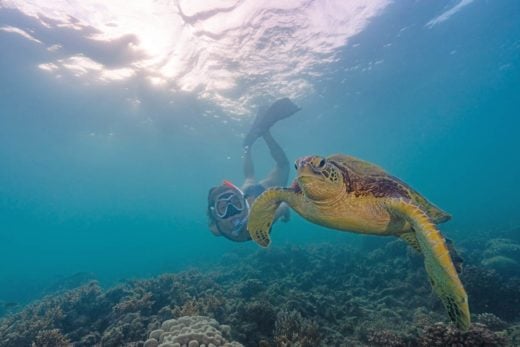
191 331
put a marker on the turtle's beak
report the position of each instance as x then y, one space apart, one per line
304 167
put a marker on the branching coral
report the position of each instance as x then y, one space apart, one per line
385 338
50 338
441 334
291 329
137 302
491 321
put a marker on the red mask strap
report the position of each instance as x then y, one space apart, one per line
230 185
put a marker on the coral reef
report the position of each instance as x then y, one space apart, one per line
491 321
291 329
319 295
490 292
513 334
123 314
503 256
441 334
191 331
502 247
503 265
50 338
385 338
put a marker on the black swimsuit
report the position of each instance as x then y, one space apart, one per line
254 191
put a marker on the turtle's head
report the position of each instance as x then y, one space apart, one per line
319 178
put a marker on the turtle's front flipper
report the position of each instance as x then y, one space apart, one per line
411 239
437 261
263 211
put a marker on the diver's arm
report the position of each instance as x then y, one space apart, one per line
283 213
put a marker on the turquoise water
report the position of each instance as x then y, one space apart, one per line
111 178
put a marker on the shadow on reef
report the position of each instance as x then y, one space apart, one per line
323 295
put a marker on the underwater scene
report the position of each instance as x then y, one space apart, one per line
259 173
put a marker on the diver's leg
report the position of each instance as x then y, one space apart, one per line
249 168
280 173
256 131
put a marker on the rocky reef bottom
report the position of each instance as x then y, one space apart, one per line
320 295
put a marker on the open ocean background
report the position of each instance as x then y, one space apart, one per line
109 178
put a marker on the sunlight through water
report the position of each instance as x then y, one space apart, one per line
228 52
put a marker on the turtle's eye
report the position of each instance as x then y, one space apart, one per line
321 163
295 166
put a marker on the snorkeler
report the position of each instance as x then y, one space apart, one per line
228 205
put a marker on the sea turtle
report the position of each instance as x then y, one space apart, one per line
346 193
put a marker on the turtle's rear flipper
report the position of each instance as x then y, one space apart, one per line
265 119
437 261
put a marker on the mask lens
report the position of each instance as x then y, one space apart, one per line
236 202
221 207
223 203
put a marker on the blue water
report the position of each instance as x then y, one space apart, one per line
88 185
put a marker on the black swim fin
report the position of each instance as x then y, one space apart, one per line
264 120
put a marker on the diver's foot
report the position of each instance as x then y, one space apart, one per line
280 109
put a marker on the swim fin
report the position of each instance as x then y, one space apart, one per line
264 120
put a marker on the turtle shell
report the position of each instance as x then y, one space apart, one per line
366 179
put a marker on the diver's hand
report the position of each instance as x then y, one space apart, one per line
283 213
286 214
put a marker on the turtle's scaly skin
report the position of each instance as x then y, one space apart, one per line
346 193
